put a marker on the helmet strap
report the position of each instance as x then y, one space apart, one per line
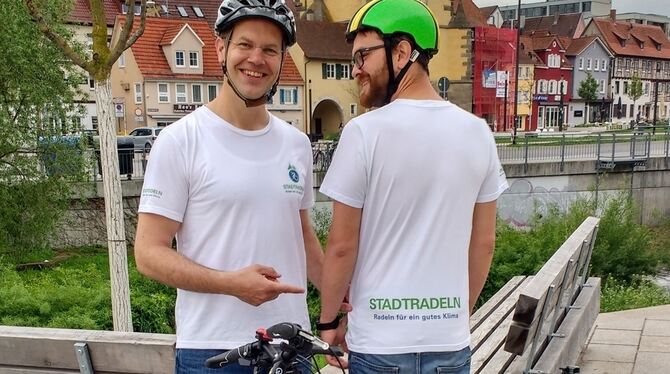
247 101
394 81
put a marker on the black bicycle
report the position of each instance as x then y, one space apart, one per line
293 349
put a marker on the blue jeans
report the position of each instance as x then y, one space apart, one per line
192 361
411 363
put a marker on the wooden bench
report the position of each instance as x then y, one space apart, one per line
539 324
534 324
60 351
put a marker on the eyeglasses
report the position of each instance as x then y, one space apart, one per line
358 58
247 47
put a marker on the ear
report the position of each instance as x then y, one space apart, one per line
402 54
220 45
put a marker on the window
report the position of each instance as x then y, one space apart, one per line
180 93
632 110
198 12
94 122
179 58
543 87
196 91
163 93
288 96
328 71
138 93
581 63
137 10
588 64
602 86
345 72
165 8
182 11
596 65
646 88
211 92
552 87
193 59
122 60
603 66
586 6
624 109
91 83
616 87
353 109
625 87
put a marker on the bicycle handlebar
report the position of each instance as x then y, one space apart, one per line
262 353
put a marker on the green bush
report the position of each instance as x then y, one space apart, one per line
620 295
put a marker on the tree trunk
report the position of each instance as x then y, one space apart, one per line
116 235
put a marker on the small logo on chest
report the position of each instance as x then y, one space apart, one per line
294 177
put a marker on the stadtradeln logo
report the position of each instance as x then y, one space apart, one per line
293 174
295 178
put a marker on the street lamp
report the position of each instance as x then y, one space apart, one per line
516 71
656 79
560 110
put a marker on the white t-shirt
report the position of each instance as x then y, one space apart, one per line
416 168
237 195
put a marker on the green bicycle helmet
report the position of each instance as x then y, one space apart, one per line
391 17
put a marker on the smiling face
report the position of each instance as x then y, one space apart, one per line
372 77
254 55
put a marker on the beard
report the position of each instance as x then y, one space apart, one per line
373 95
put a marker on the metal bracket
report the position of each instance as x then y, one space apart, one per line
83 358
587 285
575 306
533 371
554 335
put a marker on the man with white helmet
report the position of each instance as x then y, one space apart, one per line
414 185
233 184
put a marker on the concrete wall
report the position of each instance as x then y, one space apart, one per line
543 185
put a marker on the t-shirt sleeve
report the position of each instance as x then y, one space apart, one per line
308 196
346 179
165 189
495 182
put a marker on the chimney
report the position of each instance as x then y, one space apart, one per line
613 14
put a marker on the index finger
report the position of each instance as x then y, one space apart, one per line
287 288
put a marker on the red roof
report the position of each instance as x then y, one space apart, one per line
633 34
467 11
151 60
323 40
81 12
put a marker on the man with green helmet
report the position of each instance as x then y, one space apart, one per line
414 185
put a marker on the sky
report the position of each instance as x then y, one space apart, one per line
660 7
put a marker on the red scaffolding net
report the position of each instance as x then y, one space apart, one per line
494 76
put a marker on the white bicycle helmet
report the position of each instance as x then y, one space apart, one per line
231 11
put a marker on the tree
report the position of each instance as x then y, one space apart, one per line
99 65
588 90
635 89
38 164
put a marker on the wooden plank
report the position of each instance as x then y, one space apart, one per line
496 317
27 370
499 362
532 299
113 352
565 351
490 346
481 314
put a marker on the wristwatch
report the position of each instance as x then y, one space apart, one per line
332 325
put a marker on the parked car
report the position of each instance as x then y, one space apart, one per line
144 137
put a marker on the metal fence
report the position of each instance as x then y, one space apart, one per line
564 147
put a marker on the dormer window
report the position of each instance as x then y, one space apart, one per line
179 59
198 12
193 60
623 43
658 47
641 45
182 11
